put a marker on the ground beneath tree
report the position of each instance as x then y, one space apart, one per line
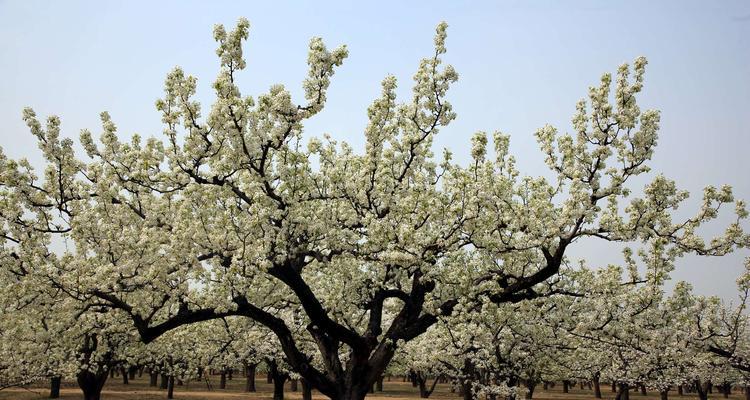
138 389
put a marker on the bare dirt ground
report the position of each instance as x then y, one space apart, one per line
138 389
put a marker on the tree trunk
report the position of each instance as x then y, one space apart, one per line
164 383
422 387
597 386
679 390
293 385
664 394
170 388
643 389
466 390
747 392
623 392
306 390
702 389
91 384
250 377
530 385
566 386
278 380
131 372
546 386
223 379
153 378
54 387
229 373
379 384
278 389
269 378
726 389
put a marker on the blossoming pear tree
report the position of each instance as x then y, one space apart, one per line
233 215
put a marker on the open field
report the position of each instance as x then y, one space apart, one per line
138 389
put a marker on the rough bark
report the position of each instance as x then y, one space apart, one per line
153 378
223 379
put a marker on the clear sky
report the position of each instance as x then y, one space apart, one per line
522 64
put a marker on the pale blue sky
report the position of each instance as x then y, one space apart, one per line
522 64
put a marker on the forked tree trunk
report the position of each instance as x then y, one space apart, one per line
54 387
91 384
250 377
422 386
